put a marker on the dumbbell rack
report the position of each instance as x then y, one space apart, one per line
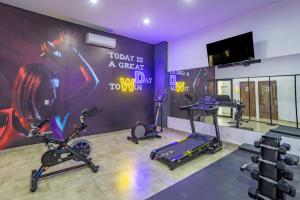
271 171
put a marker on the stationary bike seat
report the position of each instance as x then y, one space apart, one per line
41 123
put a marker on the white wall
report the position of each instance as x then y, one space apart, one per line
276 33
286 98
224 88
284 65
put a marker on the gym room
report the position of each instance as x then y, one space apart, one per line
149 99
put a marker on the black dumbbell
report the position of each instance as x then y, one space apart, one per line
296 160
282 150
288 174
252 193
292 192
286 146
291 160
255 158
281 166
257 144
255 174
284 186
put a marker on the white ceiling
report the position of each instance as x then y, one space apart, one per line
170 19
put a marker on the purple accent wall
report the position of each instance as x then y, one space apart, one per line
161 74
21 35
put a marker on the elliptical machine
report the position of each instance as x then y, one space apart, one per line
141 131
60 151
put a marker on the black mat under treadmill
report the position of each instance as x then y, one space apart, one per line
221 180
286 130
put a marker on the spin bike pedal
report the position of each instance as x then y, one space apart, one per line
94 167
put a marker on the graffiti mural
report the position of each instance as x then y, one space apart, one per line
48 72
186 86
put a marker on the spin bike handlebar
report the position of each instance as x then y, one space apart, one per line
85 113
35 128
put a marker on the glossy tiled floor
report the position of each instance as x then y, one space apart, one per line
257 126
126 171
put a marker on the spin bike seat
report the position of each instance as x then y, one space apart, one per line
41 123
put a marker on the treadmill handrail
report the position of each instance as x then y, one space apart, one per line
206 109
189 107
194 106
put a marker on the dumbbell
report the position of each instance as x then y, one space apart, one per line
255 158
280 165
257 144
286 188
281 150
286 146
288 174
293 191
291 160
253 193
255 174
282 185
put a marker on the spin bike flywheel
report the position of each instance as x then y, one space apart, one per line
83 147
139 131
50 158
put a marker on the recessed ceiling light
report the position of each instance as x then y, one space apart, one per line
94 1
146 21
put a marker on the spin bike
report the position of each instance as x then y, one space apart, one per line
141 131
59 151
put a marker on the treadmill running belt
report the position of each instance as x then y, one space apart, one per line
221 180
187 145
285 130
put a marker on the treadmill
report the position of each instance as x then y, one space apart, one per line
196 143
226 101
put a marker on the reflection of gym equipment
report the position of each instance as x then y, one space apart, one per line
188 100
60 151
142 131
223 101
270 169
286 130
195 143
226 101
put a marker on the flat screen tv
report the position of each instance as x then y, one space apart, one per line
231 50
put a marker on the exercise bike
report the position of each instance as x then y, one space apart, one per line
141 131
59 151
